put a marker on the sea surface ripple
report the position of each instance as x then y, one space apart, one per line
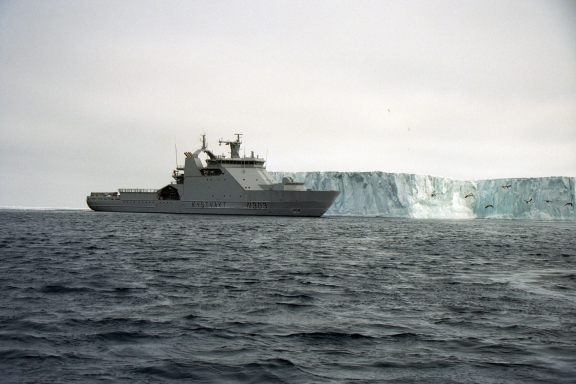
134 298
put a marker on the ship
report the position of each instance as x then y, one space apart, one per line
219 185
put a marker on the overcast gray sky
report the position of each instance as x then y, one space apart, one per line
94 94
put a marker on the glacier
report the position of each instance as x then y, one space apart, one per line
432 197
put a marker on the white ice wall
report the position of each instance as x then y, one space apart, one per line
533 198
407 195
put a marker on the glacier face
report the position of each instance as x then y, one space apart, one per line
408 195
534 198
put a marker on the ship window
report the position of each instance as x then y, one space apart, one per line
211 172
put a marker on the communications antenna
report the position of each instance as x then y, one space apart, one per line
204 142
176 154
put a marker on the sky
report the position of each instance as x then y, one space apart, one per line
94 95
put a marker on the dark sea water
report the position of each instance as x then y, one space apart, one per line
132 298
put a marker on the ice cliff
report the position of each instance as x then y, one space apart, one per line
407 195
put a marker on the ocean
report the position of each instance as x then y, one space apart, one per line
149 298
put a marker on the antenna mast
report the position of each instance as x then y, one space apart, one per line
203 142
234 146
176 154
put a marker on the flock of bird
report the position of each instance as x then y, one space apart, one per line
508 186
530 201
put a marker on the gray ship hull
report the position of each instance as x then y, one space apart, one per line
285 203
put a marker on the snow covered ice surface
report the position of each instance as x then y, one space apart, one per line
408 195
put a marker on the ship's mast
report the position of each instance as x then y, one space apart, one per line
234 146
204 142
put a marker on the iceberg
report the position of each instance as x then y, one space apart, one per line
417 196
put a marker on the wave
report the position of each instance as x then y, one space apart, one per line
57 288
330 336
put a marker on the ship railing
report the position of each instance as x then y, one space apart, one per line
104 194
137 190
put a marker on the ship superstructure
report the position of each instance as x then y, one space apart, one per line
221 185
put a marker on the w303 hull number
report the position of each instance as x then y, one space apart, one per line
257 205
